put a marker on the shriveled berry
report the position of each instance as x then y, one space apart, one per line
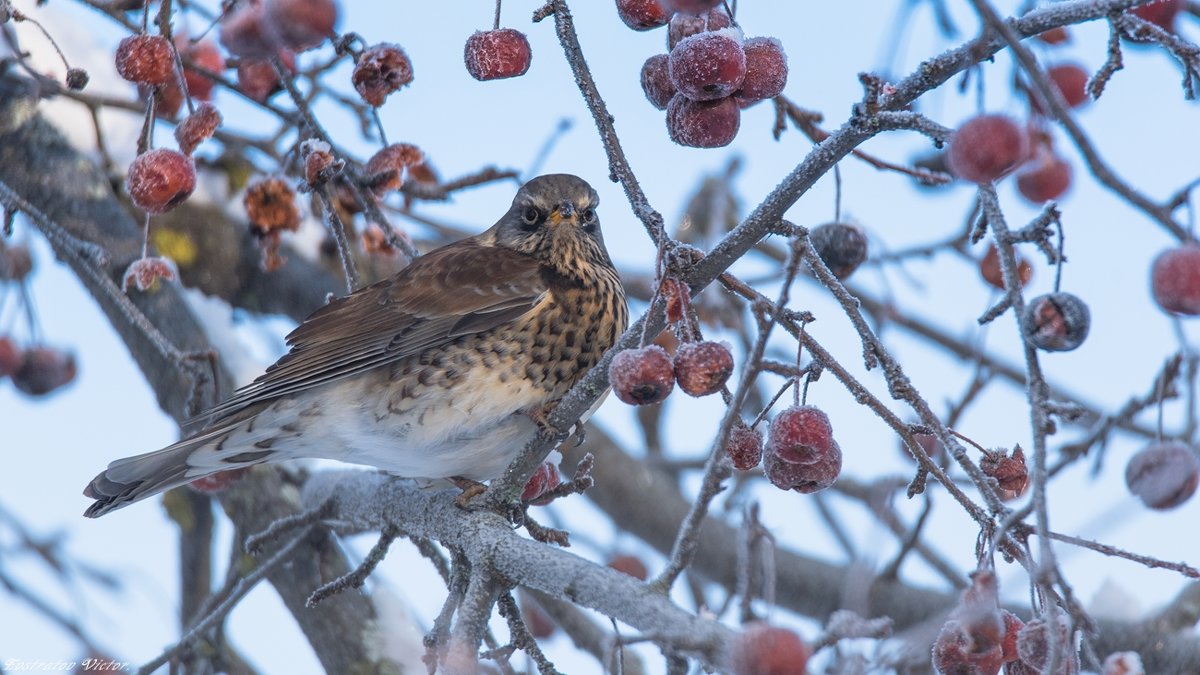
497 54
1012 627
766 70
43 370
684 25
258 78
77 79
929 443
643 14
168 98
1071 81
11 356
543 480
1055 36
203 54
144 272
381 70
16 262
986 148
1047 176
197 127
319 163
1008 470
642 376
1161 13
763 649
1057 322
271 206
804 478
693 6
1175 279
955 653
656 81
1123 663
989 268
146 59
702 124
631 565
1033 646
708 66
219 481
300 24
387 169
800 434
677 296
244 32
1163 474
841 246
745 447
701 368
160 179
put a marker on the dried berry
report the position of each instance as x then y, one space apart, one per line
1033 646
387 169
986 148
146 59
160 179
258 78
692 6
1175 279
766 70
708 66
955 653
1123 663
300 24
841 246
801 454
144 272
203 54
381 70
219 481
1071 81
77 79
763 649
929 443
1163 474
1047 176
1057 322
702 124
271 206
701 368
497 54
745 447
43 370
244 32
545 479
11 356
319 163
1008 470
642 376
989 268
643 14
684 25
677 296
631 565
197 127
656 81
1012 627
16 262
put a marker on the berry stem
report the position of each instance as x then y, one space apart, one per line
496 19
145 234
1062 236
837 193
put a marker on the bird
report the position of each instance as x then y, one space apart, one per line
443 370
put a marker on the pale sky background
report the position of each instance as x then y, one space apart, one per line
1142 126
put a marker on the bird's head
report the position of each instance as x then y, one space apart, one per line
553 218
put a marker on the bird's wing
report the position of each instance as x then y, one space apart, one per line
463 288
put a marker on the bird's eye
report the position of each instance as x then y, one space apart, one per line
530 216
588 218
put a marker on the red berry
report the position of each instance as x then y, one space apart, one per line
203 54
1175 279
702 124
381 70
258 78
216 482
986 148
10 356
642 376
388 168
271 206
631 565
1057 322
1046 177
1163 474
643 14
197 127
168 98
144 272
678 298
1012 627
684 25
16 262
319 163
766 70
160 179
43 370
300 24
701 368
745 447
146 59
1033 646
763 649
497 54
1071 82
692 6
800 434
929 443
1161 13
1008 470
539 623
543 480
841 246
656 81
244 32
1123 663
989 268
708 66
1055 36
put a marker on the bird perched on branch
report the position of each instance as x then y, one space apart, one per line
441 371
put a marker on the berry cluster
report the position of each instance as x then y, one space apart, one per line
710 72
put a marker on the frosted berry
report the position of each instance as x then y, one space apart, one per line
1045 177
841 246
989 268
701 368
800 434
702 124
656 81
1161 13
16 262
258 78
300 24
929 443
643 14
168 98
1055 36
219 481
745 447
1071 82
197 127
642 376
677 296
146 59
763 649
144 272
319 163
631 565
497 54
381 70
271 206
708 65
684 25
1033 646
1012 627
245 34
203 54
692 6
388 168
956 653
43 370
1175 279
766 70
543 480
986 148
1009 471
160 179
1123 663
11 356
1163 474
1057 322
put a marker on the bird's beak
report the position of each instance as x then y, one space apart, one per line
564 212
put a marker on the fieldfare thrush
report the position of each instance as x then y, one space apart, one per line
439 371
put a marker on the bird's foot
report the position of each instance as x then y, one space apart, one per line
470 490
541 417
